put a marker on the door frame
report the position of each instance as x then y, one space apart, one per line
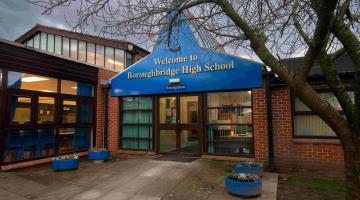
178 126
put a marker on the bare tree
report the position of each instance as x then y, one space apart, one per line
323 29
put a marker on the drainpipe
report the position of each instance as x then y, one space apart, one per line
270 122
105 86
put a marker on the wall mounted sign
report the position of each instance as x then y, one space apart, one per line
182 65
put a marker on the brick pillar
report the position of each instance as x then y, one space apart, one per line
113 134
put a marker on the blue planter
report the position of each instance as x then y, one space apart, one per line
243 188
99 155
63 165
240 167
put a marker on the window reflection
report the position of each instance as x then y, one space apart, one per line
69 87
229 99
129 59
167 110
66 46
50 43
74 48
18 80
20 110
69 111
109 59
58 44
119 59
85 111
46 110
82 51
73 139
43 41
90 53
100 54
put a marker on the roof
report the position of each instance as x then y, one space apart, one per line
121 44
343 65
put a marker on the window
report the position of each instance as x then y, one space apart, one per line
90 53
46 110
85 111
29 43
100 54
109 57
25 81
82 51
65 47
58 44
20 110
37 41
136 124
43 42
308 124
119 60
77 88
50 43
74 48
69 111
74 139
129 59
230 129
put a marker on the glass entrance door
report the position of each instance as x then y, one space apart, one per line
179 125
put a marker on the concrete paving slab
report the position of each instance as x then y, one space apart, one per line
10 196
114 195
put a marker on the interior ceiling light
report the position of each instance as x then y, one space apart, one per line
33 79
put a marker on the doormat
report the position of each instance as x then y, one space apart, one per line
176 159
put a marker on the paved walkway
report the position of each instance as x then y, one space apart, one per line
134 179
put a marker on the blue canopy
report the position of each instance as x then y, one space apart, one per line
179 64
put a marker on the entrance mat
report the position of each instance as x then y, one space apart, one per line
176 159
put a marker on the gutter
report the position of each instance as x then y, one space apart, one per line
270 123
105 86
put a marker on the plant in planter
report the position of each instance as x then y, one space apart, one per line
66 162
243 184
98 155
249 168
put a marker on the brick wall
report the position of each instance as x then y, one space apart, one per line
291 153
260 124
105 75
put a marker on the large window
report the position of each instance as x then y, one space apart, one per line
100 54
25 81
230 130
136 123
43 41
308 124
43 121
109 58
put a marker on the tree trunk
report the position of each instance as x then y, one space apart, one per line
352 169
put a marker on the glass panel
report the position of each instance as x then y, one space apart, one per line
145 102
109 59
229 99
58 44
74 139
241 133
82 51
47 141
43 41
29 43
69 111
85 111
51 42
18 80
230 116
230 148
189 141
119 59
129 59
20 110
37 41
311 125
69 87
90 53
189 109
46 110
74 48
167 140
129 103
66 46
85 89
167 110
100 54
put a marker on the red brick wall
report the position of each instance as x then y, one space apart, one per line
294 152
260 124
104 75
